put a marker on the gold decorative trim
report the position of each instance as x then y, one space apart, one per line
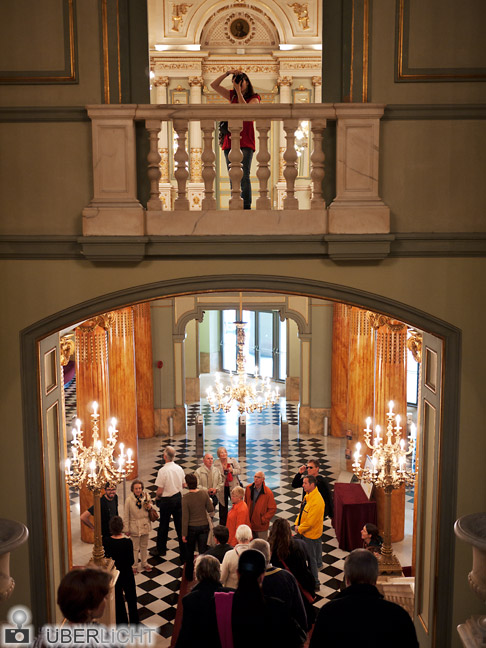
414 74
366 43
196 164
106 61
71 64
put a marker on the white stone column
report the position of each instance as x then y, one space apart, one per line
161 84
285 96
195 187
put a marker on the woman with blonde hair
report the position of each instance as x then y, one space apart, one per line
137 523
229 468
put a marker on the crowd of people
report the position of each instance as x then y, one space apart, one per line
256 574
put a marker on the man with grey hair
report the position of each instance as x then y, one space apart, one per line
168 497
210 479
199 626
261 505
345 621
282 584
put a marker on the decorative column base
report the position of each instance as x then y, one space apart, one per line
473 632
359 217
389 564
162 421
99 220
311 420
195 194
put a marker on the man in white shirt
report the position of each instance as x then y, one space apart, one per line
170 482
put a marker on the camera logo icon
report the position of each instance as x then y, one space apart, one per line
21 634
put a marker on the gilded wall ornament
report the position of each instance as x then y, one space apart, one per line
302 13
414 345
196 165
67 347
178 13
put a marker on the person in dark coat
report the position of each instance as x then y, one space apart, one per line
108 509
282 584
312 469
120 548
199 627
359 615
290 554
221 535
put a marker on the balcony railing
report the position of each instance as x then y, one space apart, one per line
116 211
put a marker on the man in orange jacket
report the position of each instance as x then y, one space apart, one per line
261 505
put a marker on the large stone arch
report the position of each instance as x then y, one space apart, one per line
449 433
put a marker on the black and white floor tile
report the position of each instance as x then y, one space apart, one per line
158 589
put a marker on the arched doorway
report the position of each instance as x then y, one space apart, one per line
439 516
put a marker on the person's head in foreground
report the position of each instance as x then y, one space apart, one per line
361 567
82 593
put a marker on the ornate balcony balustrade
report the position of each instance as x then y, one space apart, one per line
116 211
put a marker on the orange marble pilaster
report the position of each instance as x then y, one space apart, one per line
123 397
391 384
360 377
339 369
143 369
92 384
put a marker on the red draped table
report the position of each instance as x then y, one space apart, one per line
352 510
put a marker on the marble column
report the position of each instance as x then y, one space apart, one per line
339 369
123 397
391 384
196 185
360 378
285 96
161 84
92 384
144 370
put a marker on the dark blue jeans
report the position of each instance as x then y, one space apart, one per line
197 536
170 506
245 180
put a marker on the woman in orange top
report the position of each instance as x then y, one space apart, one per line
238 514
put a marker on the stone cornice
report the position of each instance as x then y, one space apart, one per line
338 247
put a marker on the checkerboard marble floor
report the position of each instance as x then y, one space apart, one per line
158 589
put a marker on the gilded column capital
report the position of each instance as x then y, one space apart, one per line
161 81
316 80
68 346
414 345
377 320
196 81
284 81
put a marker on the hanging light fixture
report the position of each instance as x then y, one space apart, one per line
249 394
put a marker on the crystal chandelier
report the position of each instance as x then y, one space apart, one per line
388 471
94 467
248 394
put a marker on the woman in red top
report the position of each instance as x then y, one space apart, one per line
242 93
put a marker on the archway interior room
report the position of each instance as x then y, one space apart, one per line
333 365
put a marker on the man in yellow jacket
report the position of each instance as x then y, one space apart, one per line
309 525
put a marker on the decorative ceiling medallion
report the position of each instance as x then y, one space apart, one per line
240 28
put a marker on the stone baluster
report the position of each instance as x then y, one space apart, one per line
290 157
317 160
208 159
153 157
263 159
236 168
182 160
